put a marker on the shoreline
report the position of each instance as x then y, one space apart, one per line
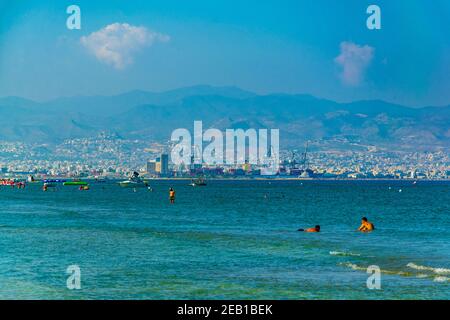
301 179
265 178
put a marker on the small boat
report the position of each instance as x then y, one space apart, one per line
100 179
199 182
8 182
54 181
49 185
20 184
134 182
75 183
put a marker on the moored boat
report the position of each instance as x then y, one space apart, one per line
199 182
75 183
134 182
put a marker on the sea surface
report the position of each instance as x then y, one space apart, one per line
228 240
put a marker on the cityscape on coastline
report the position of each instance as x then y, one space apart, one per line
109 156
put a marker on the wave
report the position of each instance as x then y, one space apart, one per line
356 267
425 268
344 254
436 278
441 279
353 266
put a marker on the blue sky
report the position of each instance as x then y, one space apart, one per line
317 47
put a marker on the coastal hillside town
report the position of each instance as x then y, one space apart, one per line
109 156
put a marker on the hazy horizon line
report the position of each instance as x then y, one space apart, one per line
260 94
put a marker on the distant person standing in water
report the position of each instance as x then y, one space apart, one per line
315 229
366 226
172 195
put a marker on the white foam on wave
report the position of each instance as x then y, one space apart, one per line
344 254
436 278
352 266
390 272
425 268
441 279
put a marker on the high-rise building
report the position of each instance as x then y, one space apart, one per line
164 160
159 165
151 167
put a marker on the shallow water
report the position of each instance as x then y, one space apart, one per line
230 239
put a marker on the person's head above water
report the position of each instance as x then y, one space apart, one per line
366 226
171 189
315 229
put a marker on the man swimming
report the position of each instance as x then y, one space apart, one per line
366 226
315 229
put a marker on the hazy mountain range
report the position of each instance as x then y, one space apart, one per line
153 116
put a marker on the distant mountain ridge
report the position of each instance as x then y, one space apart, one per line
153 116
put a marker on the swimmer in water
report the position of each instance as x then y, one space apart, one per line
172 195
315 229
366 226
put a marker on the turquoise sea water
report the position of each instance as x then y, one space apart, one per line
230 239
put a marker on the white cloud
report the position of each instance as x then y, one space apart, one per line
354 60
116 43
